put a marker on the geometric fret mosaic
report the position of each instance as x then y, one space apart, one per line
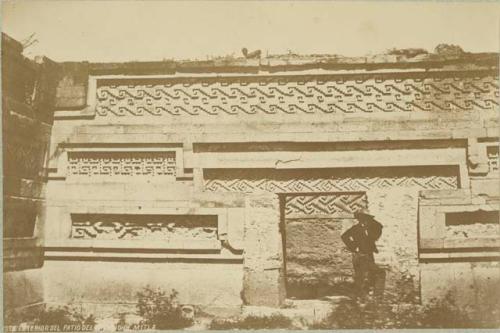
143 227
122 164
313 94
333 205
324 183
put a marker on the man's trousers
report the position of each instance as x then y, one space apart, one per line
365 272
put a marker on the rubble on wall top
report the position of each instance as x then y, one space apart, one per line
445 57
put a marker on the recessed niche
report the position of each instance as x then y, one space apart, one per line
476 224
478 216
144 227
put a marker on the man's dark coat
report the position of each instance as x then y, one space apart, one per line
362 238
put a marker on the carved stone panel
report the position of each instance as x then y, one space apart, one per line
144 227
125 164
331 205
291 95
328 180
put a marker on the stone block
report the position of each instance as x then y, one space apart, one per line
263 287
492 123
117 282
263 255
214 200
57 222
434 194
493 132
485 187
468 132
391 207
471 284
428 229
235 227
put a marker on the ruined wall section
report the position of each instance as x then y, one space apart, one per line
28 94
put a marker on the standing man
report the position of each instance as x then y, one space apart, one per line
360 240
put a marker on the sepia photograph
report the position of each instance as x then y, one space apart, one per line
250 165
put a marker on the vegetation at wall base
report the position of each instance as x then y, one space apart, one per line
380 313
65 315
161 310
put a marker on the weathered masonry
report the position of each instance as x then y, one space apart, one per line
232 183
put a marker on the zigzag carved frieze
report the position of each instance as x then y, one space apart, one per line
307 95
325 181
333 205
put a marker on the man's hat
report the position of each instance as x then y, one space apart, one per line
363 213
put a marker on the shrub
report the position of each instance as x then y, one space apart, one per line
380 313
444 313
64 315
121 324
275 321
398 308
371 314
161 310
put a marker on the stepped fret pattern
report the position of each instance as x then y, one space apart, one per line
337 205
122 164
313 95
330 184
142 227
159 231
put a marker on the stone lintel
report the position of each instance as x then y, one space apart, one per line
340 159
484 244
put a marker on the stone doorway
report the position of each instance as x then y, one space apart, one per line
316 261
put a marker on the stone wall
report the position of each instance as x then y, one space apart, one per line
200 181
28 94
108 286
397 210
473 284
162 234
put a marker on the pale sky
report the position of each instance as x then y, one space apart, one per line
155 30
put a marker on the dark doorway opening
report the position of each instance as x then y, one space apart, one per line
316 261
